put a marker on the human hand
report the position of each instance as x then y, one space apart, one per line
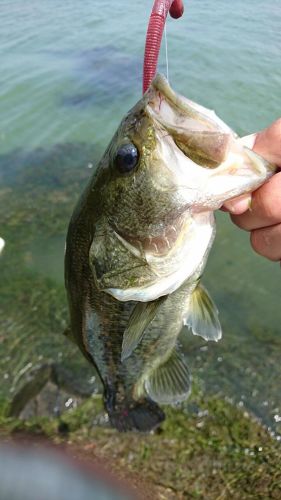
260 213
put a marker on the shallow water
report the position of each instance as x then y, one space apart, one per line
68 75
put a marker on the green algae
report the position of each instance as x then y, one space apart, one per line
219 452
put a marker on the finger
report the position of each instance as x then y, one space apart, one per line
268 143
238 205
266 242
265 207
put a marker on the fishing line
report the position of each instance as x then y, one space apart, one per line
166 50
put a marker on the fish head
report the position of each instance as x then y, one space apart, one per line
170 164
171 156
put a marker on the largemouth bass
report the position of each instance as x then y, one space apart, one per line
138 242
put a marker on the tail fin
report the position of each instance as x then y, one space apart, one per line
143 415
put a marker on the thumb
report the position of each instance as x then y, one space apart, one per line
268 143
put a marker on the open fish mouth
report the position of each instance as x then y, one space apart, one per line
208 162
196 131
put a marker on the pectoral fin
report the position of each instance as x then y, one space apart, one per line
202 316
170 382
142 315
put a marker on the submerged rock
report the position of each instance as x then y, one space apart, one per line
50 390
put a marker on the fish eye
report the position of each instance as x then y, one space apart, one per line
126 158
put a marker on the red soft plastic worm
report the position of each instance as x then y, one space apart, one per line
155 29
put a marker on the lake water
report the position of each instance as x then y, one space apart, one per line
69 72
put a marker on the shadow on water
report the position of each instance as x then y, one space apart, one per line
102 75
47 168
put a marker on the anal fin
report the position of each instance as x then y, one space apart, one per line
170 382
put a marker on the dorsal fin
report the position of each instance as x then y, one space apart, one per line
170 382
143 313
202 315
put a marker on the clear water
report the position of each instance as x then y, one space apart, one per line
69 72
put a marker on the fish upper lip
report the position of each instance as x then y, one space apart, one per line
197 131
186 107
161 84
